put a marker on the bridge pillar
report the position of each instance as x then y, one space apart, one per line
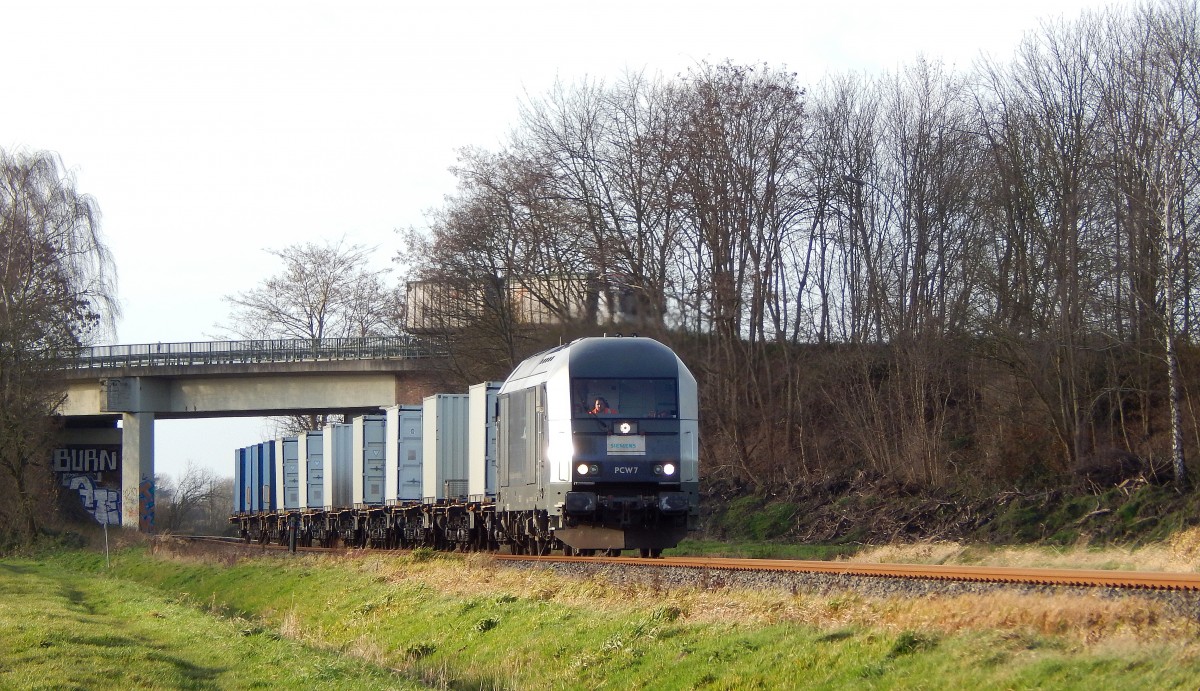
137 471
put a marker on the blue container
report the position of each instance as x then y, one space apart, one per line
266 454
241 482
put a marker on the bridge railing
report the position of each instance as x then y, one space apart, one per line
251 351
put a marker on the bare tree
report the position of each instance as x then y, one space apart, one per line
198 502
838 270
609 154
1043 127
486 259
321 291
740 160
56 293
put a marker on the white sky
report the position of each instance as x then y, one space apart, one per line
210 131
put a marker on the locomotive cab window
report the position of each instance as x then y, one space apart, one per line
624 398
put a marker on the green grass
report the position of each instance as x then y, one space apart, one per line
456 622
69 629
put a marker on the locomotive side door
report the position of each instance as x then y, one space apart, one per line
518 444
539 470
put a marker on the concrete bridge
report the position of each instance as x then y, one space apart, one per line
137 384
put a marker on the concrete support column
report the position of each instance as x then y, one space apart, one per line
137 471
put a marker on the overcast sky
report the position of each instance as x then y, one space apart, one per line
210 131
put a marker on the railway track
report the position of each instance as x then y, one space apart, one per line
1089 578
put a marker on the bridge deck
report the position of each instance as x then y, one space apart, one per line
256 351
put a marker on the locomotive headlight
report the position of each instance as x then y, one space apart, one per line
625 427
582 469
560 453
658 469
669 468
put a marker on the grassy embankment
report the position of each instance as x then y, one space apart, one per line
465 622
66 627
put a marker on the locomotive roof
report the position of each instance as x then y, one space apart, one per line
601 357
622 357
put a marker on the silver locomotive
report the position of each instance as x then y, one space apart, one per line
598 449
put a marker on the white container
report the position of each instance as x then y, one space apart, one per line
481 439
338 454
445 438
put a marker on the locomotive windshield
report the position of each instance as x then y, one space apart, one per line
624 398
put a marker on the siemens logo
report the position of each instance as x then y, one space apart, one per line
627 445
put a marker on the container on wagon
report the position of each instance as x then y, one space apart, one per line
287 473
445 436
241 481
369 438
403 471
482 439
338 455
310 447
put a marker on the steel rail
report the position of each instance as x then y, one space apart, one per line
1089 578
1084 578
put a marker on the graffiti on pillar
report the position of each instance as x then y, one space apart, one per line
94 472
146 504
103 504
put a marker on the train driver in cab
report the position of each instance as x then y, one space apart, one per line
600 407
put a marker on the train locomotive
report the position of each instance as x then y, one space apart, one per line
594 448
598 448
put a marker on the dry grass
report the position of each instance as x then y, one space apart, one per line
1179 554
1079 619
1085 620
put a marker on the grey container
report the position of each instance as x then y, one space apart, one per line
339 466
482 439
287 473
369 452
403 471
311 448
445 425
